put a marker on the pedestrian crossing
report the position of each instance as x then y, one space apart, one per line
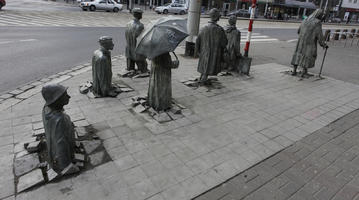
91 19
64 19
257 38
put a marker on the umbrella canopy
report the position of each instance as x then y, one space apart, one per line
161 36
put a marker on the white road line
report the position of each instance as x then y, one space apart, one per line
256 36
28 40
294 40
6 42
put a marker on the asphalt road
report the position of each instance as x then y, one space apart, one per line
28 54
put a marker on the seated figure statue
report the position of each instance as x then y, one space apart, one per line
102 69
59 130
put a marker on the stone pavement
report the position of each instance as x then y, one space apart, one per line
323 165
224 132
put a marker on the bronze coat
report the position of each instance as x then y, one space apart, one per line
101 72
310 33
210 44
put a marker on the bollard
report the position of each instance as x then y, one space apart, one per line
336 35
352 33
327 35
344 34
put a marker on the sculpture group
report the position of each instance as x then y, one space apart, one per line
218 49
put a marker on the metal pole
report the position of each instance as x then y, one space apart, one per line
266 8
250 27
321 67
194 12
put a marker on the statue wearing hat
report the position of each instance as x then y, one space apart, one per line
102 69
59 130
210 45
233 46
134 29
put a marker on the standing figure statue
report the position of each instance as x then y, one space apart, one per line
134 29
310 32
160 89
233 46
102 69
59 130
210 45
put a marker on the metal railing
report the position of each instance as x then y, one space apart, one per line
341 37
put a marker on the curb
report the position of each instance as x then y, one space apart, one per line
11 98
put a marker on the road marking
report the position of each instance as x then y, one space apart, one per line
28 40
294 40
6 42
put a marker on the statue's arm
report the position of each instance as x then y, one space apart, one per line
238 46
320 37
197 49
139 30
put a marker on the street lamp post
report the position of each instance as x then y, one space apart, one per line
194 12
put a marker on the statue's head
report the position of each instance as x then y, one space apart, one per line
232 20
106 42
137 13
214 14
55 95
318 14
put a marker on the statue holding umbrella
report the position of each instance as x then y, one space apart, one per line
156 42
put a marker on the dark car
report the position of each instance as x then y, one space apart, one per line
240 13
2 3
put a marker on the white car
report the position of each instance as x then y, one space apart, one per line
107 5
175 8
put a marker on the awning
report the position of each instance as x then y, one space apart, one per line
297 4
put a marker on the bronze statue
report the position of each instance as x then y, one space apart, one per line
102 69
160 89
210 45
134 29
310 32
59 130
233 46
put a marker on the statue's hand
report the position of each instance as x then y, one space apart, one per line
175 64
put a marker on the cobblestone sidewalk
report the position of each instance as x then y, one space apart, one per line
321 166
223 132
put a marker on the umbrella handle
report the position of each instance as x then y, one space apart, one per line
175 55
175 63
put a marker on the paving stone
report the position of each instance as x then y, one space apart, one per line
29 180
26 163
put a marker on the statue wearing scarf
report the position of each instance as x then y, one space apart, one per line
310 33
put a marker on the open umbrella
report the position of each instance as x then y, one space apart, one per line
161 36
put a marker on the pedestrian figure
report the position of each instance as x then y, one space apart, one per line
310 33
134 29
210 45
102 69
59 130
160 89
233 46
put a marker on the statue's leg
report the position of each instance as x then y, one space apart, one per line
130 64
294 70
203 78
142 66
305 72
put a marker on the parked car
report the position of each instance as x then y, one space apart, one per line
240 13
175 8
2 3
107 5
